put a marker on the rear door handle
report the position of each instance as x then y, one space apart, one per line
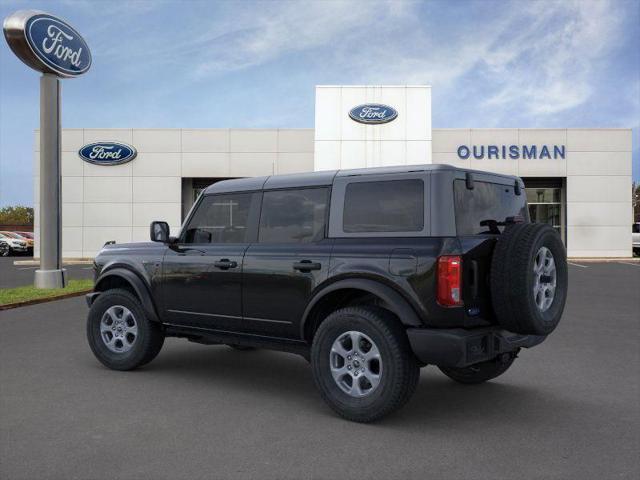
306 266
225 264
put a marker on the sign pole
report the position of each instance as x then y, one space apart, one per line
49 45
51 274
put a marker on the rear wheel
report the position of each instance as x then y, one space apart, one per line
480 372
362 363
119 332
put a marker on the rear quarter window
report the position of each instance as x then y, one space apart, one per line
486 201
384 206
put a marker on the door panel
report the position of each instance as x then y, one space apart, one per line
199 290
202 272
276 290
290 259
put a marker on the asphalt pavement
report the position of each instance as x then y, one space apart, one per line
21 275
567 409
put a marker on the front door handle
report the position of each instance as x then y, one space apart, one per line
225 264
306 266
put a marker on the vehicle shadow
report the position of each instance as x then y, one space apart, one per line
438 401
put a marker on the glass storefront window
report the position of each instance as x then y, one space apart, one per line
544 195
545 206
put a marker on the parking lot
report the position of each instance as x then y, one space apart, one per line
20 275
566 409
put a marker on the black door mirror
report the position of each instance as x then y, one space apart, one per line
159 232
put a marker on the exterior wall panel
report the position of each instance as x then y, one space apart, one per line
118 202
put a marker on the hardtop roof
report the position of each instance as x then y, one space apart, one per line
325 178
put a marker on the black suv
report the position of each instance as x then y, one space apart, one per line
369 274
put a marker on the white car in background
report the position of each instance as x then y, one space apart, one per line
635 237
11 245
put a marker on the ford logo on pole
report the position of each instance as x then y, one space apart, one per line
107 153
373 113
47 43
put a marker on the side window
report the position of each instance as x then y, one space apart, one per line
384 206
221 219
293 216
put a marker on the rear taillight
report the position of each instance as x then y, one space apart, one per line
449 280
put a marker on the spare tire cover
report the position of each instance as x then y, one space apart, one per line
529 278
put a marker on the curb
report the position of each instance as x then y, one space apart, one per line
27 303
71 261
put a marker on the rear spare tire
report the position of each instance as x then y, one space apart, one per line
529 278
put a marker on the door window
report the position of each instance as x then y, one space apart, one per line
221 219
293 216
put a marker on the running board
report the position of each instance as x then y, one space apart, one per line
208 336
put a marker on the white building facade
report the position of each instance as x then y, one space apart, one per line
578 180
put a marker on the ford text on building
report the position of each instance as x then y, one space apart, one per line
577 180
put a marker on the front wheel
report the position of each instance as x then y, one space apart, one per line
362 363
480 372
119 332
5 250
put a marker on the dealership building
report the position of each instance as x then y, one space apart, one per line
577 180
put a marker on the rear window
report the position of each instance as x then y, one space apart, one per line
384 206
486 202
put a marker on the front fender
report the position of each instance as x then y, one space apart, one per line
139 286
395 302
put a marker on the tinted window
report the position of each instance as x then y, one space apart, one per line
293 216
220 219
487 201
635 228
386 206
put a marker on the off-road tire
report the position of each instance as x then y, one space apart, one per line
149 339
512 278
400 373
480 372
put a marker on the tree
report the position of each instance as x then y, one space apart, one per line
16 215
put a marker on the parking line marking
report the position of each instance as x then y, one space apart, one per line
26 268
632 264
577 265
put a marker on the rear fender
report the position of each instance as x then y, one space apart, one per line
392 299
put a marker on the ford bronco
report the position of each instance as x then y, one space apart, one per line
369 274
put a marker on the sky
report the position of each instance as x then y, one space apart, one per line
207 64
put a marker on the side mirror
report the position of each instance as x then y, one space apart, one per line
159 232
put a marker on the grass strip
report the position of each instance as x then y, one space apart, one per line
9 296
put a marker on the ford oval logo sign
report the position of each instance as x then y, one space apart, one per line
107 153
373 113
47 43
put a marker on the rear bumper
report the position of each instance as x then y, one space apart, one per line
459 347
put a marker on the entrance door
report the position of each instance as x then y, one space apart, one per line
290 259
546 205
202 272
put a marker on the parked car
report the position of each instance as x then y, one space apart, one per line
635 237
22 236
14 243
369 274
